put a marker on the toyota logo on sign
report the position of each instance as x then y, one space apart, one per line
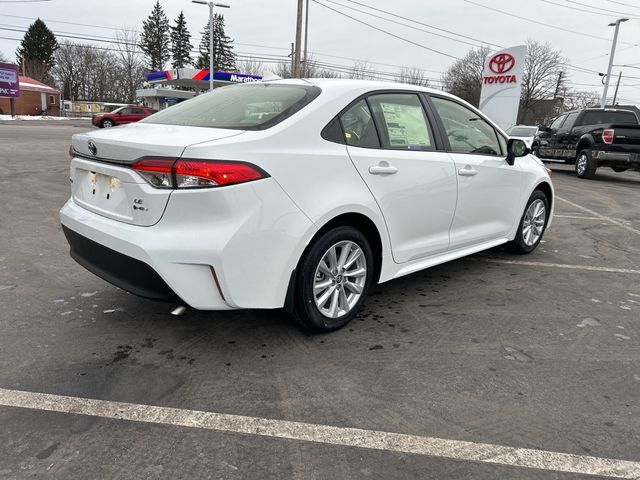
502 63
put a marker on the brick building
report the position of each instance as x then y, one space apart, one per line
34 97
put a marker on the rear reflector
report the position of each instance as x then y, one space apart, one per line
607 135
190 173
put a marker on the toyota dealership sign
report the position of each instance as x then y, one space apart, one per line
501 85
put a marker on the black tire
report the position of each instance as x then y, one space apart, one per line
305 311
619 169
518 244
586 165
106 123
535 150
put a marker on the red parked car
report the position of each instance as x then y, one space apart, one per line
122 115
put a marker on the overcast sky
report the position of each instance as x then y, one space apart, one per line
268 28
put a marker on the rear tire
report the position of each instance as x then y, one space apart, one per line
107 123
586 165
333 279
532 224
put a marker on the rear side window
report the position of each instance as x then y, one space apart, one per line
402 121
240 107
596 117
569 122
358 127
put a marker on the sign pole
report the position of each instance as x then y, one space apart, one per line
12 102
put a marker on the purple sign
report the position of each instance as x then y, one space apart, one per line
9 80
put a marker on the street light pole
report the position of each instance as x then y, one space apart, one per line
616 24
211 5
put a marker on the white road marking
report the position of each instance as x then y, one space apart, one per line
309 432
602 217
578 217
567 266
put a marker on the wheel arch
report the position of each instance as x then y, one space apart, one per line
586 141
357 220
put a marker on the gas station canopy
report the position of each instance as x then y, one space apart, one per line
164 94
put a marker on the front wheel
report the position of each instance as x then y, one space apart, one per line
532 224
333 279
586 165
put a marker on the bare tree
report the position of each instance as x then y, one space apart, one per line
131 63
412 76
574 100
543 75
3 58
464 77
361 71
283 70
251 66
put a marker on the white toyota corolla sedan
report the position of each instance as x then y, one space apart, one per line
298 194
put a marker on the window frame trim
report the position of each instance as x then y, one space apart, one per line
443 130
428 111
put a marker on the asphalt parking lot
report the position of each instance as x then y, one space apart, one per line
539 352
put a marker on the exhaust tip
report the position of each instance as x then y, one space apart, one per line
178 311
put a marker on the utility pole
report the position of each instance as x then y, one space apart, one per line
296 67
557 91
615 95
616 24
306 39
293 60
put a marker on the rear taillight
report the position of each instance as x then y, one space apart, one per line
188 173
71 153
607 135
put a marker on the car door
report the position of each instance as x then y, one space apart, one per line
549 144
391 143
565 143
137 114
124 116
489 189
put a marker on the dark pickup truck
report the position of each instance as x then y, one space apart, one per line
591 138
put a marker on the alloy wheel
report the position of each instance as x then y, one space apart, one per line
339 279
581 167
534 221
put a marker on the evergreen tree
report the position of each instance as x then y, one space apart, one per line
181 43
155 40
35 56
223 56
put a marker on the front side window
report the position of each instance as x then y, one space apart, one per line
125 111
466 130
358 127
239 107
402 121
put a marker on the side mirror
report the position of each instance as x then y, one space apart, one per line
516 148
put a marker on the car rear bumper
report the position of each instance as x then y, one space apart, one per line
120 270
213 249
630 158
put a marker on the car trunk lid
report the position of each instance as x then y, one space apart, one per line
104 183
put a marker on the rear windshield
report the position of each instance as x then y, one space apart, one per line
243 107
595 117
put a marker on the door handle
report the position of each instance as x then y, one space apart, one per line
467 171
383 168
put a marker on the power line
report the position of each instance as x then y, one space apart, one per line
576 9
403 24
596 8
424 24
623 4
540 23
385 31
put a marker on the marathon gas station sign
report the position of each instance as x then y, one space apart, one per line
501 85
9 80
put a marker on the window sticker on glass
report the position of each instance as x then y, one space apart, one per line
404 121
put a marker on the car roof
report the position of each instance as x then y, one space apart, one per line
348 84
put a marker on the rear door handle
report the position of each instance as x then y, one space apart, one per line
382 168
467 171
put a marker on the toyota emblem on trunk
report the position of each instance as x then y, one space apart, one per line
92 148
